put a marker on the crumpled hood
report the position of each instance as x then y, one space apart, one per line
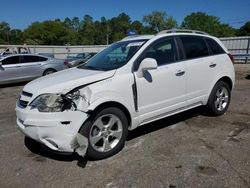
66 80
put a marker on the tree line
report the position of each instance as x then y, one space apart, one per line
86 31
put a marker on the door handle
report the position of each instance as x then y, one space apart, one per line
212 65
180 73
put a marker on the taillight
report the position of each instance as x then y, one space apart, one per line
66 62
231 57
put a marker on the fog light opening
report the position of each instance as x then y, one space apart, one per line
65 122
52 144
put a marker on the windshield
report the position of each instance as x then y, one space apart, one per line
114 56
80 55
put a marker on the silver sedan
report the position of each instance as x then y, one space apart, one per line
25 67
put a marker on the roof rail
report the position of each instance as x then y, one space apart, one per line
181 31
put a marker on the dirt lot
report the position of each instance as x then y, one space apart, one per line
187 150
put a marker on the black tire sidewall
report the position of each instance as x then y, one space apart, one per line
85 130
48 70
212 98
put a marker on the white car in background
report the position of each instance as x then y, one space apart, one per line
89 109
15 50
25 67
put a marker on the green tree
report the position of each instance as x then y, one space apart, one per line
47 33
119 27
244 30
4 33
68 23
101 31
159 21
138 27
87 31
16 36
75 22
210 24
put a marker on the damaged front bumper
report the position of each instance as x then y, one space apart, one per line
57 130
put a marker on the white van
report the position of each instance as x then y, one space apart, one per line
89 109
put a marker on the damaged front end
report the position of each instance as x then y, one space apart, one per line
76 100
79 144
56 102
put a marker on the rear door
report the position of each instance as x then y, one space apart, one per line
200 68
31 65
10 69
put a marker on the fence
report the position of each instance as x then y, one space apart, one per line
60 52
237 46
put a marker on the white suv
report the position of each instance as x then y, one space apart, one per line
89 109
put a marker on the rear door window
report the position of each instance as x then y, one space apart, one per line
214 46
10 60
194 47
30 58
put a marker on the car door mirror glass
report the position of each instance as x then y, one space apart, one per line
146 64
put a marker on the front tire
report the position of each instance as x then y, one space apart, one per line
219 99
106 132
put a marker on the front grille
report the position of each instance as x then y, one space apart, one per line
27 94
22 104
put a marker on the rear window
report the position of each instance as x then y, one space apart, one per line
194 47
30 58
214 46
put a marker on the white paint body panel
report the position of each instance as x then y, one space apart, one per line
160 93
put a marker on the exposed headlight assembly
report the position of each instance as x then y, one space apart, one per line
54 102
74 100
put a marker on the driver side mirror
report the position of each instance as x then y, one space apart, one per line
146 64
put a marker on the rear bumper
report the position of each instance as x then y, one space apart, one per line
56 130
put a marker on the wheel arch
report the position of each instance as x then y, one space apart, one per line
112 104
227 80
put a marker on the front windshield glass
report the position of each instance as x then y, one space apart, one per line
114 56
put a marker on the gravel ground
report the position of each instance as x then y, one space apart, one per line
190 149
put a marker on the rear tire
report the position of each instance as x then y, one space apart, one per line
219 99
106 131
48 71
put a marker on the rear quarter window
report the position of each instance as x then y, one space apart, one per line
194 47
42 59
214 46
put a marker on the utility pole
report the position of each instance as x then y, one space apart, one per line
107 39
8 38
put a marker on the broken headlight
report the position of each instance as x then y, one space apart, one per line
53 103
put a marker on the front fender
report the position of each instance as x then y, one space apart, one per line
104 97
115 97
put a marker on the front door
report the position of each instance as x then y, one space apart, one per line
9 70
161 91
